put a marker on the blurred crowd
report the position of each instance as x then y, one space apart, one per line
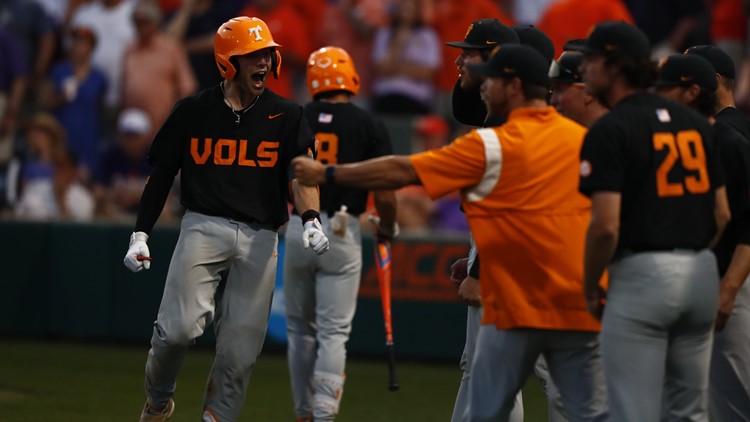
85 84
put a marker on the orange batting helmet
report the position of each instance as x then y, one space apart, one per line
239 36
331 69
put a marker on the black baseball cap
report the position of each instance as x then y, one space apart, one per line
616 37
515 60
535 38
685 70
722 63
571 45
486 34
565 69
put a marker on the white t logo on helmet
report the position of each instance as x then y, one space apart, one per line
256 30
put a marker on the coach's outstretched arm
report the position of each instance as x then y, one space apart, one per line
389 172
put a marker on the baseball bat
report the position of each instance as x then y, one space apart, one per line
383 263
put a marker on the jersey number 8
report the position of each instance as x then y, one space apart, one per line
687 147
328 147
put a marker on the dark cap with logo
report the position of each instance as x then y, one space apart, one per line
565 69
535 38
515 60
486 34
722 63
614 38
685 70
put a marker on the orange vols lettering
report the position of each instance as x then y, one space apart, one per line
226 152
231 150
200 158
243 160
264 151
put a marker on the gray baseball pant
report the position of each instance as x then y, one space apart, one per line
504 359
729 398
222 270
656 335
321 298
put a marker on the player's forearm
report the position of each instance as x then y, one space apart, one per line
600 248
389 172
722 214
601 238
305 197
739 268
385 204
153 199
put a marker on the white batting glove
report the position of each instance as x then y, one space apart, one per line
138 257
313 236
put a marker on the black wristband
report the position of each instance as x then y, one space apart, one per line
310 215
330 174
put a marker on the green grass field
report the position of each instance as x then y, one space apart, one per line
48 381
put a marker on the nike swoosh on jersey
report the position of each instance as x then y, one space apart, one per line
273 116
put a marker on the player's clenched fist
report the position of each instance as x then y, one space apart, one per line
313 236
308 171
138 257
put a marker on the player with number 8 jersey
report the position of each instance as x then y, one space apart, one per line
321 291
652 173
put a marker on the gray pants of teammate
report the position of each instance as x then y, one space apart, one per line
460 408
729 399
504 359
321 297
656 335
223 271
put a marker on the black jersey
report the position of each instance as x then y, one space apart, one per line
230 169
661 157
732 130
345 134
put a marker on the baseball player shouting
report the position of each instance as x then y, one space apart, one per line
650 169
528 222
321 291
232 145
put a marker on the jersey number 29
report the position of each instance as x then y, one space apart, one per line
687 148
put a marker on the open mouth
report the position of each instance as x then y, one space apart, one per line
259 77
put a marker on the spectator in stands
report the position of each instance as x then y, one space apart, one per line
43 138
156 72
417 213
290 30
671 25
112 22
568 19
63 197
33 30
407 56
75 93
194 24
351 25
13 82
124 168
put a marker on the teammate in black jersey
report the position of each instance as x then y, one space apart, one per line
651 171
232 145
729 394
321 292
